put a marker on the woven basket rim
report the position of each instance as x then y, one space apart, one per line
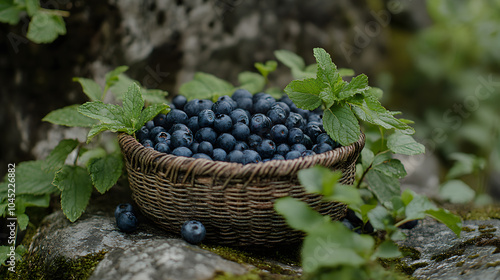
274 168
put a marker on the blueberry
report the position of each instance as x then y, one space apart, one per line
194 147
283 106
348 224
285 99
150 124
206 134
162 137
313 130
219 154
279 133
193 232
409 224
278 157
302 112
241 131
318 124
162 148
240 116
142 134
260 124
176 116
298 147
192 124
282 149
202 155
179 126
195 106
181 138
148 143
251 156
308 153
258 96
325 138
292 155
267 148
241 93
160 120
236 156
222 123
157 129
315 118
262 106
123 207
254 140
126 222
277 115
295 136
222 107
182 152
241 146
228 99
294 120
321 148
206 148
179 102
244 103
206 118
226 141
306 141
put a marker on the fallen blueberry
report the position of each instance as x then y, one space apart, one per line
193 232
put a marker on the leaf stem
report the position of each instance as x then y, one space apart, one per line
75 162
55 12
363 176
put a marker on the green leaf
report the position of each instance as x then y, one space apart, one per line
113 76
105 171
465 164
305 93
90 88
456 191
380 218
298 214
31 178
86 156
418 206
132 105
154 96
252 82
120 86
290 59
319 180
392 167
205 86
32 6
96 129
327 71
22 221
150 112
45 28
383 187
30 200
367 157
58 155
400 143
267 68
341 124
69 116
4 250
9 13
357 85
346 72
450 220
106 113
76 187
346 194
387 250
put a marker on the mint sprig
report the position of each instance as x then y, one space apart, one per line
344 103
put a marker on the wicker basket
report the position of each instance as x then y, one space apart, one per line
233 201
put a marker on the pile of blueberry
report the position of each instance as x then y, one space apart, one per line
244 128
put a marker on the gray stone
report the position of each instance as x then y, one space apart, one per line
474 255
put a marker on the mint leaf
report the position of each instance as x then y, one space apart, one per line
392 167
382 186
76 187
327 70
34 200
90 88
32 6
106 113
113 76
358 84
105 171
9 13
132 104
456 191
380 218
55 160
98 128
154 96
267 68
341 124
290 59
319 180
69 116
252 82
150 112
120 86
346 194
31 178
387 250
400 143
22 220
298 214
205 86
305 93
418 206
346 72
45 28
444 216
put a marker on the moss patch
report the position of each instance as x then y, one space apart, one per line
253 275
483 213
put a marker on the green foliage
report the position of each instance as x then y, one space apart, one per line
76 187
267 68
456 191
343 102
45 25
205 86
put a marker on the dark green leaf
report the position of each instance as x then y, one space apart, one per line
105 171
298 214
383 187
380 218
45 28
32 179
112 77
4 250
418 206
305 93
450 220
358 84
106 113
290 59
76 187
252 82
30 200
400 143
327 71
367 157
456 191
392 167
346 194
22 221
132 105
32 7
341 124
90 88
205 86
387 250
9 13
86 156
69 116
58 155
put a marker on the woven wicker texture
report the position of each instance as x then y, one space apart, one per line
233 201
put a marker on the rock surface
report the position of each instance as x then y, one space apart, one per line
441 255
